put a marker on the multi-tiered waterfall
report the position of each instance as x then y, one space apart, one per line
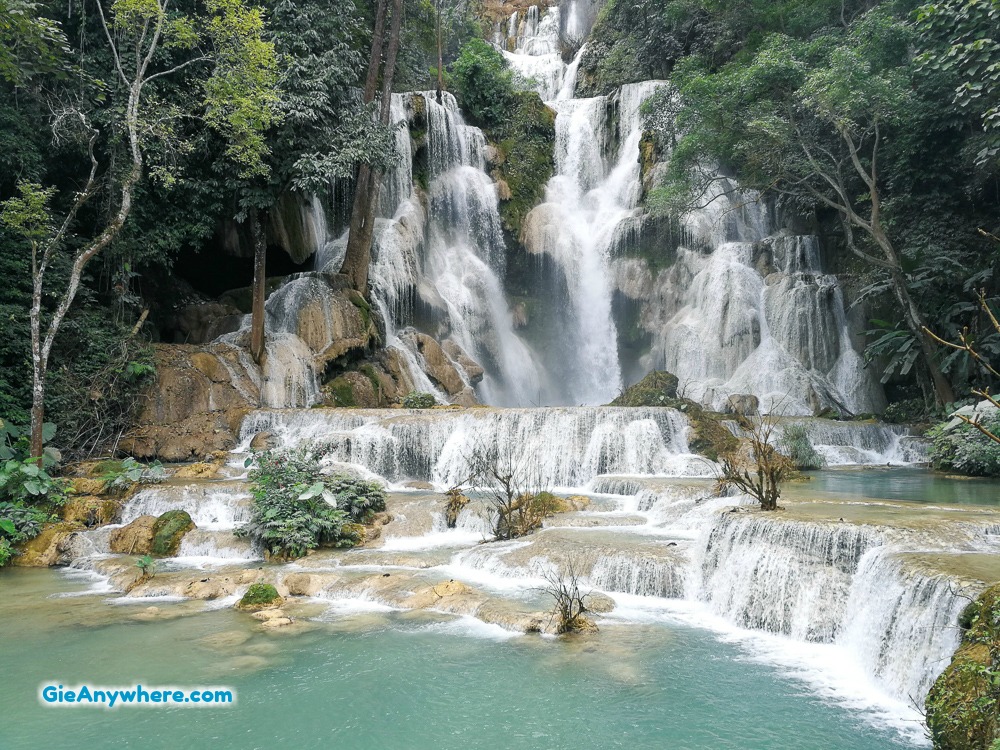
857 598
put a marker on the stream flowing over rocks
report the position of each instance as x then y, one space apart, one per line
858 598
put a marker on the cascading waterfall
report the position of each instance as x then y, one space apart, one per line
754 316
557 447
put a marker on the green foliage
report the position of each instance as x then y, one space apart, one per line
18 523
484 83
259 595
28 492
963 706
419 400
965 450
298 508
797 446
146 565
960 42
525 138
121 474
30 43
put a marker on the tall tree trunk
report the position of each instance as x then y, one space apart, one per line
259 284
366 194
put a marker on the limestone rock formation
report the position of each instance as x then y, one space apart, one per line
195 405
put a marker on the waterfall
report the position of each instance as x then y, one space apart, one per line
833 583
562 447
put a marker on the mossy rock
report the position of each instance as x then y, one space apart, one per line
659 388
168 531
525 142
260 596
709 437
963 706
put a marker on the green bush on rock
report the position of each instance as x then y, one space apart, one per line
797 446
419 400
297 508
965 450
259 596
963 706
484 83
659 388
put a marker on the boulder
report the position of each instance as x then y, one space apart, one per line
203 322
168 531
743 405
136 538
51 547
437 364
260 596
91 510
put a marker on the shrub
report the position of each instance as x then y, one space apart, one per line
119 475
259 595
297 508
18 523
795 441
757 469
484 82
965 450
419 400
146 566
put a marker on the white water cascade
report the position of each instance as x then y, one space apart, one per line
741 311
439 247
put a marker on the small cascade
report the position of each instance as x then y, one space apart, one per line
783 577
213 506
862 443
834 583
640 576
559 447
901 623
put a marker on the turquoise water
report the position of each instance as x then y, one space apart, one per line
915 485
395 681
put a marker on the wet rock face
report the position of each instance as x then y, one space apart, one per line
195 406
51 547
149 535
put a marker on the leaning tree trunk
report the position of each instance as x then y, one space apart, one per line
259 284
366 193
943 392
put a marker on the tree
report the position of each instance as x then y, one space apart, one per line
809 120
324 132
148 43
367 187
757 468
961 39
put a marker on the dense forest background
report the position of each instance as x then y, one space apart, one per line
885 112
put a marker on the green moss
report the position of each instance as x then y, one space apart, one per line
259 596
418 400
340 392
659 388
168 531
709 437
526 142
369 372
963 706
